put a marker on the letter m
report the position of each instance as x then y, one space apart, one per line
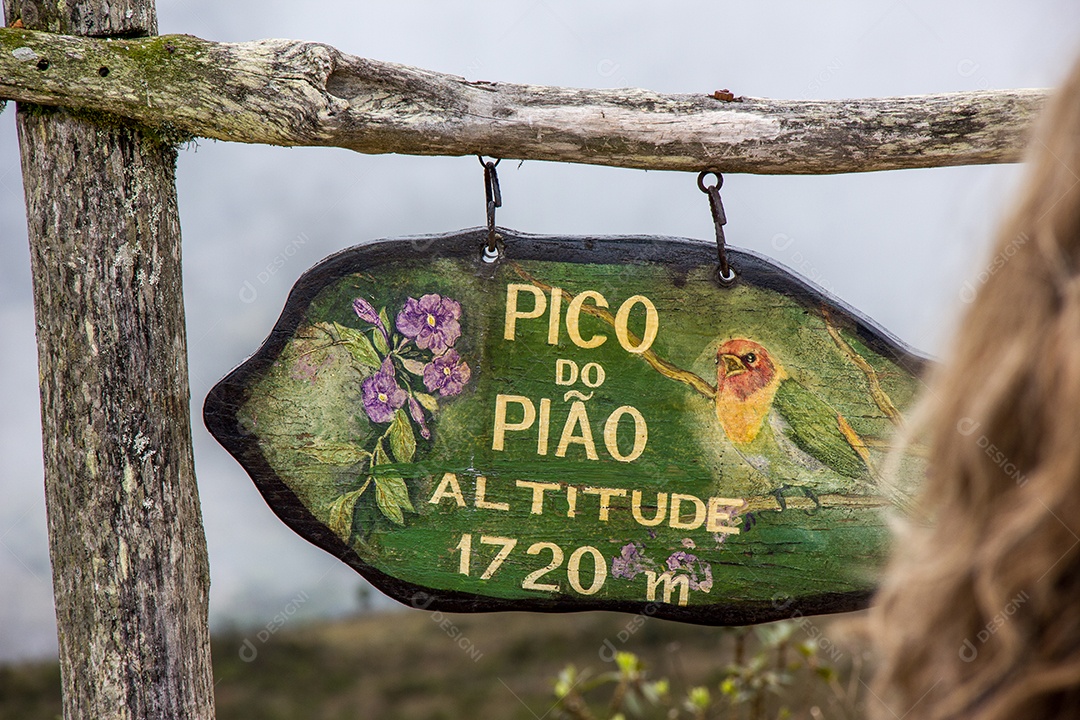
670 583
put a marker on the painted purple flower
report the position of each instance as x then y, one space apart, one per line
706 583
417 414
691 565
681 560
381 394
432 321
366 312
629 563
446 373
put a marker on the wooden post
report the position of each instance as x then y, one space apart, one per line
130 572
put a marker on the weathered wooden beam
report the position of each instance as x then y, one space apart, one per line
130 572
283 92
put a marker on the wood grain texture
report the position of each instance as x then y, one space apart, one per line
130 572
284 92
420 498
114 18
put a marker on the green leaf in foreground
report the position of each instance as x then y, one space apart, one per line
358 345
392 496
336 453
428 402
402 439
380 340
380 457
341 514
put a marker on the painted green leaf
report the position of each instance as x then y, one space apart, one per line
402 439
341 514
329 329
392 496
428 402
414 366
617 493
388 508
396 489
380 341
379 457
335 453
358 345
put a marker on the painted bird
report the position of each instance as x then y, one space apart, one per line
786 432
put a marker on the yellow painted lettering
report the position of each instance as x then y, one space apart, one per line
671 582
720 512
676 520
611 433
605 498
593 375
448 488
578 417
553 316
573 570
544 426
538 488
501 426
573 313
481 492
566 372
661 509
512 312
652 324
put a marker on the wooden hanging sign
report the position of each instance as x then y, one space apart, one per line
590 423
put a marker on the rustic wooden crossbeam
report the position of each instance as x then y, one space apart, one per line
284 92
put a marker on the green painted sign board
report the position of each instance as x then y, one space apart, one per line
588 423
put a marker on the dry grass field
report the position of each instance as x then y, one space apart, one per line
412 665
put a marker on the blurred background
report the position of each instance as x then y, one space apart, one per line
899 246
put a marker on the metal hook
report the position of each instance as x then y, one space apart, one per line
493 196
725 273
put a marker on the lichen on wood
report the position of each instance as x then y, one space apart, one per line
285 92
130 572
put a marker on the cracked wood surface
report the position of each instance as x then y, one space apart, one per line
129 562
285 92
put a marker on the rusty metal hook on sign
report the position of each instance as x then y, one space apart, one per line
725 274
493 197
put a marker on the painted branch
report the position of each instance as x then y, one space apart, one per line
130 572
283 92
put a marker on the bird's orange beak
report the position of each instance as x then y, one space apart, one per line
733 364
